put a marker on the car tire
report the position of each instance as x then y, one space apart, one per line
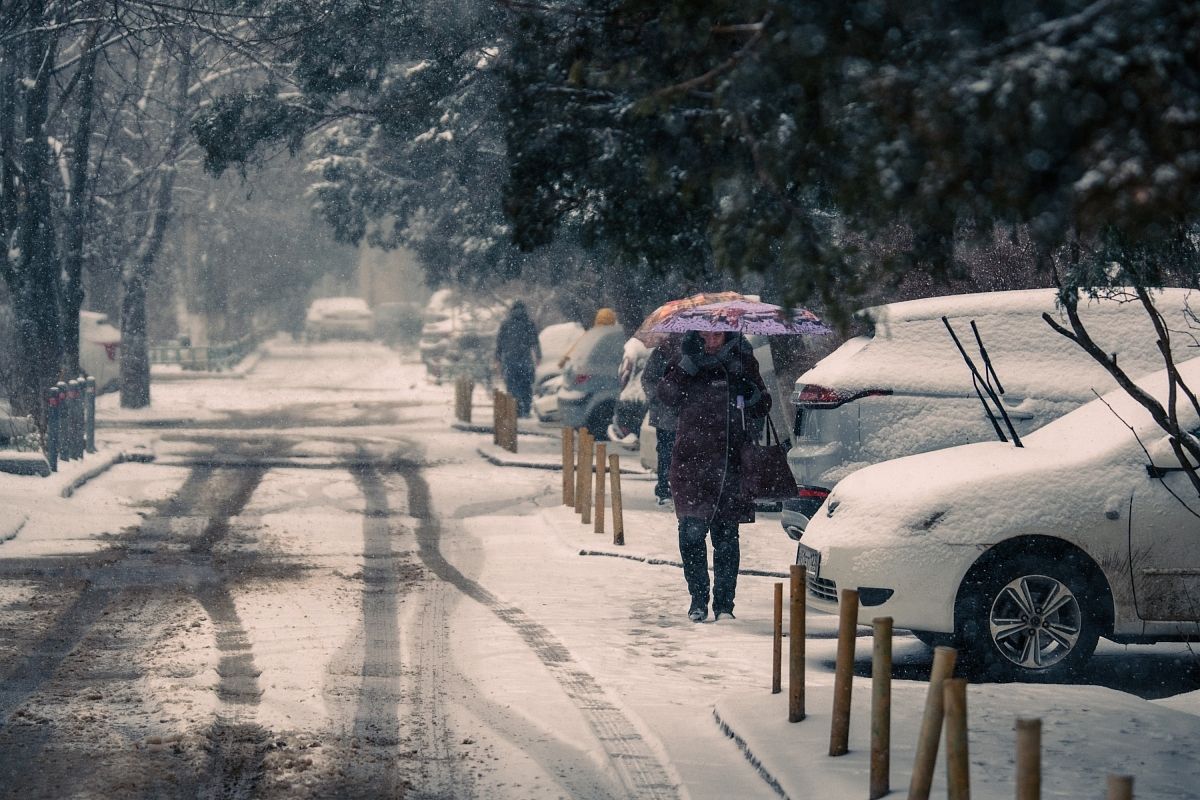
1003 628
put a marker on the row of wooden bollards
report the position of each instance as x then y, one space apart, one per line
945 706
577 487
504 420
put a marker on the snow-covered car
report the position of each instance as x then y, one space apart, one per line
338 318
1023 556
631 401
555 341
903 387
590 383
99 345
458 336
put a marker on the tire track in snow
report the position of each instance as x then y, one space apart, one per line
376 719
640 770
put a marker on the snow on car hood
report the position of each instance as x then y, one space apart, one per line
976 494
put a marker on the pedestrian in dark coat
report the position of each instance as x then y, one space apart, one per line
718 393
518 351
663 418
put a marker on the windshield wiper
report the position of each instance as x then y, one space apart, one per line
985 381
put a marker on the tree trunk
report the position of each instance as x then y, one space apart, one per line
36 298
135 354
77 214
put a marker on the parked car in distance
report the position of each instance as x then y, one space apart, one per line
555 341
903 387
99 346
338 318
590 383
1024 556
458 336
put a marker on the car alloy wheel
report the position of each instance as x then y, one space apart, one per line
1030 617
1035 621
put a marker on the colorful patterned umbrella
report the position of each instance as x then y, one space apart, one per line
650 338
744 316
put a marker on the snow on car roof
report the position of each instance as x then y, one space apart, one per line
911 351
555 339
339 304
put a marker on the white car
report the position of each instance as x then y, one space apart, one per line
99 347
338 318
1023 556
904 388
555 341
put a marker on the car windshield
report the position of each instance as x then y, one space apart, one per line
1104 423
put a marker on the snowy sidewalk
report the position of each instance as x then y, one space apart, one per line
1088 731
26 499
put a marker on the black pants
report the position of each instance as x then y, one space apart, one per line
664 443
518 380
726 557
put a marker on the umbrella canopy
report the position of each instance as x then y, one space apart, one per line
744 316
651 338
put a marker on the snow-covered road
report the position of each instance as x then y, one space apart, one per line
319 589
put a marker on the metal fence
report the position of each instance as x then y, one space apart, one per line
208 358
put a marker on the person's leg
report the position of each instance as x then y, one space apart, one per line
726 559
523 391
665 442
693 551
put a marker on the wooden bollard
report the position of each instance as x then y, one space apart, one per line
1120 787
510 428
614 471
497 415
843 676
958 763
881 708
601 468
796 635
931 724
586 506
1029 759
777 643
568 466
464 388
580 472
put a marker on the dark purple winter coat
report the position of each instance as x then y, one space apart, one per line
705 475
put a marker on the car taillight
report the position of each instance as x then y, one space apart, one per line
110 350
813 396
813 493
580 379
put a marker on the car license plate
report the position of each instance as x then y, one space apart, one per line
808 558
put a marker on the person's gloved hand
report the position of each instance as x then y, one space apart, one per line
691 347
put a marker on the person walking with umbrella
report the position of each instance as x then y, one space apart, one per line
714 387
